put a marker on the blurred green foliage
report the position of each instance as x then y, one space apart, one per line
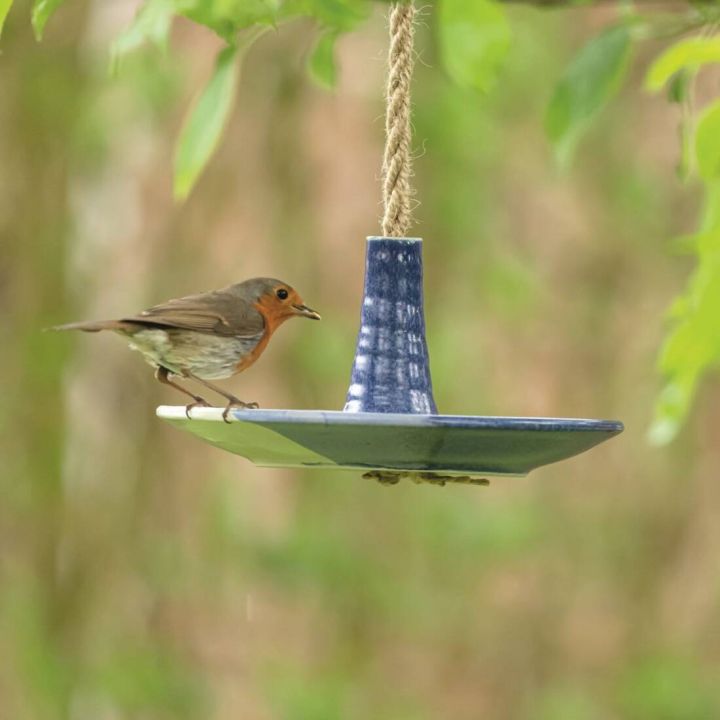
589 81
4 9
693 345
205 124
321 62
474 39
144 576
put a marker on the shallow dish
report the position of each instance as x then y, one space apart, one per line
447 444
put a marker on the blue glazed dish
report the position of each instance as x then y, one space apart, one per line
447 444
390 421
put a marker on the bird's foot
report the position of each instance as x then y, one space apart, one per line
199 402
240 405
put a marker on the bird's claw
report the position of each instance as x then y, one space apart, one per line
240 405
198 403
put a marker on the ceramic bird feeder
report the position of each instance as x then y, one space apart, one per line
390 426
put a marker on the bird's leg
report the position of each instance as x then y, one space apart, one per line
232 400
162 375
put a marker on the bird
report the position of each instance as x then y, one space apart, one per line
208 336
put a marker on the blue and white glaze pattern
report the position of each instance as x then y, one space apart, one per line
391 371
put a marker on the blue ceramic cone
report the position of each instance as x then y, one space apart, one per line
391 372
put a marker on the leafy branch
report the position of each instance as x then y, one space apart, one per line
474 38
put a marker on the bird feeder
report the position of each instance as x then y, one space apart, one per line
390 426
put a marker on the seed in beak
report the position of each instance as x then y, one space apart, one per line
307 312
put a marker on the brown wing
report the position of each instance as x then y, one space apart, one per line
212 312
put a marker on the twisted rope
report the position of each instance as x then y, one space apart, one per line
397 170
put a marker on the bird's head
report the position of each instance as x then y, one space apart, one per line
275 300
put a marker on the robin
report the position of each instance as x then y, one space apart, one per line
208 336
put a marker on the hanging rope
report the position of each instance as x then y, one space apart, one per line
397 170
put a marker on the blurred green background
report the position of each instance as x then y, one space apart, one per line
146 575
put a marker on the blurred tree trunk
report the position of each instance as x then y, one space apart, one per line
42 92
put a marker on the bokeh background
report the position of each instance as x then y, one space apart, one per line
146 575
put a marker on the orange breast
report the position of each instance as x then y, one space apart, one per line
273 320
247 360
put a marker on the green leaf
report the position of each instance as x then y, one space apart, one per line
671 409
321 63
591 79
228 17
693 345
689 53
41 12
707 143
679 86
340 15
474 40
151 24
4 10
206 121
684 165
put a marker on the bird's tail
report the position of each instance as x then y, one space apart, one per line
91 326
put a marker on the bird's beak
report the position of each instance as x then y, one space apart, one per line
305 311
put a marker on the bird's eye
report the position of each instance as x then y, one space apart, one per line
282 293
